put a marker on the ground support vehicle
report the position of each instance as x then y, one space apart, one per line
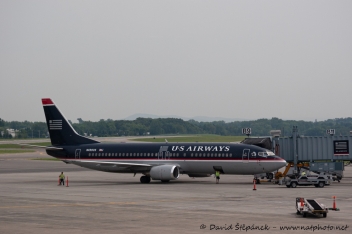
318 181
310 206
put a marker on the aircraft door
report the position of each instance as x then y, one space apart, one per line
163 155
245 155
78 154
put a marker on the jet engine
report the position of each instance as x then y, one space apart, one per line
164 172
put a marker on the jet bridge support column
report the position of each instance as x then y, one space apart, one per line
295 156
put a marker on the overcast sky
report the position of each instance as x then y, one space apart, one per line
234 59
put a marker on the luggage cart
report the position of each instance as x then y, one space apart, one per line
310 206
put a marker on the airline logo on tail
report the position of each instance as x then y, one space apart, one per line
55 124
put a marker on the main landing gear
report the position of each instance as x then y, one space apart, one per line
145 179
257 181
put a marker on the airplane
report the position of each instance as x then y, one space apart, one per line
155 161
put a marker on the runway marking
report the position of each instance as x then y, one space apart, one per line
108 203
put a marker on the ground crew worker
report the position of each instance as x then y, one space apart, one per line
303 173
62 178
217 175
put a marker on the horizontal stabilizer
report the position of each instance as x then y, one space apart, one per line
42 147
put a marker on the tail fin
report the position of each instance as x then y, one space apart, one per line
61 131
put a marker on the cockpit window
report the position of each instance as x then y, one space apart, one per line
266 154
270 153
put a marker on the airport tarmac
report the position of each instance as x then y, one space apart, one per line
100 202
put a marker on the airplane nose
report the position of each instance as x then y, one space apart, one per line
283 163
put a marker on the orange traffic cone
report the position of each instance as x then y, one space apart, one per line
67 182
334 203
254 187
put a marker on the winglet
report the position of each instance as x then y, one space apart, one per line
47 101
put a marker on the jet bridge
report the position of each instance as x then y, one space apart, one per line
320 154
323 153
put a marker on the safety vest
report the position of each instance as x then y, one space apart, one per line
62 176
217 173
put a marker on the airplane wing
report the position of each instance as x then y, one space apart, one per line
42 147
122 165
117 164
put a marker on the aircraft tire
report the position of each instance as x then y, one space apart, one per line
269 176
145 179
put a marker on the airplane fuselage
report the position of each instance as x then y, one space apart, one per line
191 158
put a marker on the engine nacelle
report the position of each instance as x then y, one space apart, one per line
165 172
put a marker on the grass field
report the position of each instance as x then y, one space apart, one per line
15 151
193 138
10 146
17 146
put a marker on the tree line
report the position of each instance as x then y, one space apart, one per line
149 126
